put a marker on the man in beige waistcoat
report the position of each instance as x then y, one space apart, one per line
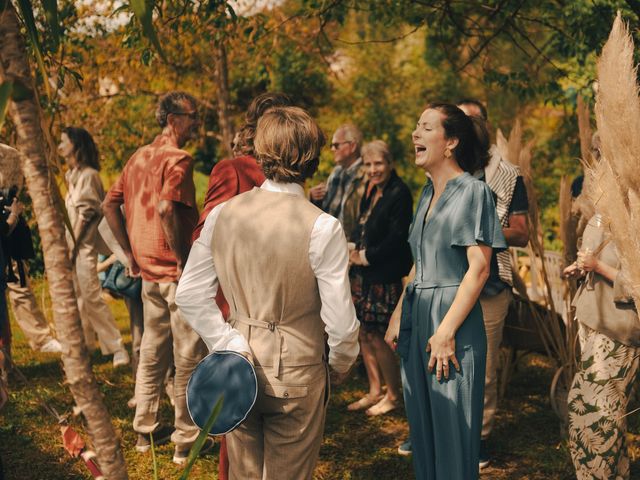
282 264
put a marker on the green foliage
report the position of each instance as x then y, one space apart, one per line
143 10
51 14
202 437
373 63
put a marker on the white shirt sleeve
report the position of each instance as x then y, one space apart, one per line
196 295
329 260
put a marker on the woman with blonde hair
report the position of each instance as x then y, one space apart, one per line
380 259
83 202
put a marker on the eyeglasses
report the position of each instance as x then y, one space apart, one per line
336 145
192 115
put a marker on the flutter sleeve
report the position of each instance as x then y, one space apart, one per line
477 220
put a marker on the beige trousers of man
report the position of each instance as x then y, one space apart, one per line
164 330
26 311
95 315
494 311
281 437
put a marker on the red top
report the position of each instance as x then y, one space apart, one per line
228 178
159 171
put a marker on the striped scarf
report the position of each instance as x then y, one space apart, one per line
501 177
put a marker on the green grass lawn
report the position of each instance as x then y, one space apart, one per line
526 442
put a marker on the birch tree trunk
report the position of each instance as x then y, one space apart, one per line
25 114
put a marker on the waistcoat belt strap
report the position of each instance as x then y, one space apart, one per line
272 326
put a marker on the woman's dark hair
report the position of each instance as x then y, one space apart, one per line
472 151
257 108
84 148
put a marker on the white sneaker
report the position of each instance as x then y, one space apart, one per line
120 358
52 346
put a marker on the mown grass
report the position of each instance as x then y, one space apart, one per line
526 441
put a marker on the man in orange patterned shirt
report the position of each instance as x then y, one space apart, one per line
157 190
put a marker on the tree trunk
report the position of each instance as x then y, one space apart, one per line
25 114
222 80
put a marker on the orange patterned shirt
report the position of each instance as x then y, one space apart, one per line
155 172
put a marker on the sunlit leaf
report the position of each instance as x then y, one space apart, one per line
144 13
204 433
51 14
26 10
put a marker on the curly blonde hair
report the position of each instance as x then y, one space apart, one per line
287 144
259 105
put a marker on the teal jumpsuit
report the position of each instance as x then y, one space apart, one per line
445 417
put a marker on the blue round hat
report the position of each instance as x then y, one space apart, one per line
224 374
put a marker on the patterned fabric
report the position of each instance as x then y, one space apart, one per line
344 191
374 302
155 172
501 178
597 403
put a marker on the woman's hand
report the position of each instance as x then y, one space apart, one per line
16 208
572 271
354 258
393 330
133 270
443 350
587 261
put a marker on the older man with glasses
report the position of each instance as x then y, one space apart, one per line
340 195
157 190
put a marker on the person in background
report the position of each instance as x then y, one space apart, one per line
512 206
438 326
340 195
17 249
609 335
157 190
8 221
286 269
380 260
134 308
84 196
231 177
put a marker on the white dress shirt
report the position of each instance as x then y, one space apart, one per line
328 257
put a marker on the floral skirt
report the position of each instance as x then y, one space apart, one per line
374 302
598 402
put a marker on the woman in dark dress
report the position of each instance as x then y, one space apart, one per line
380 259
440 334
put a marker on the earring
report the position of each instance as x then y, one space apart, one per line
447 153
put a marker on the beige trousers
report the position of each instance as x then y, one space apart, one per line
494 311
281 437
165 330
95 315
26 311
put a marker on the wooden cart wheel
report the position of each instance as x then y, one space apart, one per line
558 395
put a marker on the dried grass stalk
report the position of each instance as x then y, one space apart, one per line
617 176
514 146
584 129
503 145
559 339
567 222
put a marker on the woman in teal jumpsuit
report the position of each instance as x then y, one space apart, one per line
440 333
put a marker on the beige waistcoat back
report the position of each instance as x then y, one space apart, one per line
260 248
